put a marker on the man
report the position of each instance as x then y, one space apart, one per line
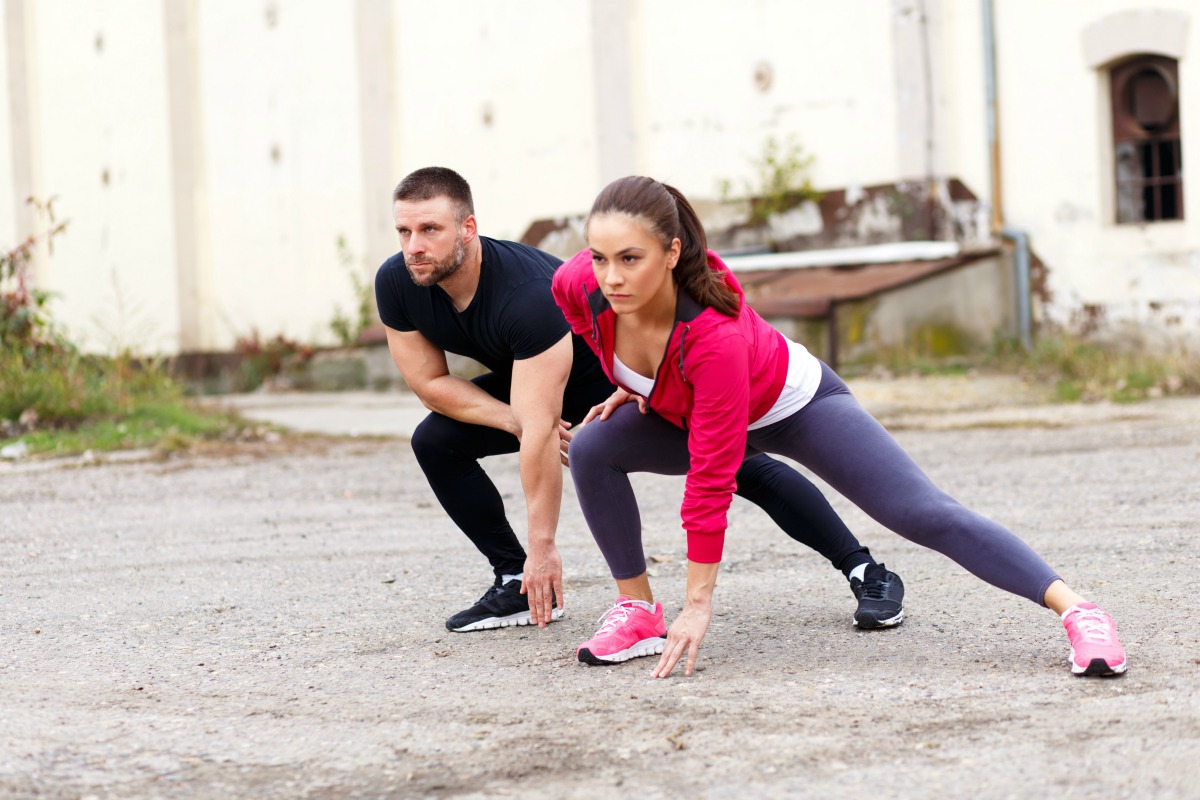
451 290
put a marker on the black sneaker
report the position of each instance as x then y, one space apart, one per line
880 598
502 605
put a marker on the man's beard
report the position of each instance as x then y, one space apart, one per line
441 269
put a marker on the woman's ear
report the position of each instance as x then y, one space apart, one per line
673 253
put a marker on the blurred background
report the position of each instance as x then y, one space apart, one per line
929 174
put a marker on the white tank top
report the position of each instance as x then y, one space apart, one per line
803 378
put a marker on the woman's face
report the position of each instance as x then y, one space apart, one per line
631 266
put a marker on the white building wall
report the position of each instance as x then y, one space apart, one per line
8 196
283 171
501 93
704 119
102 138
538 103
963 97
1057 170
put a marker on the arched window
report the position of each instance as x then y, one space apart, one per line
1146 140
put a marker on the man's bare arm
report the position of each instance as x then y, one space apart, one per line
425 371
537 390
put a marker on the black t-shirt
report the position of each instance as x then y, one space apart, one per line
512 317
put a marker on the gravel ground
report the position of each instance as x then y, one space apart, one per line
267 621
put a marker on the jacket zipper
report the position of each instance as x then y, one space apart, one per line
598 338
662 363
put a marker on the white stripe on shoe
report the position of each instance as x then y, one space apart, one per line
520 618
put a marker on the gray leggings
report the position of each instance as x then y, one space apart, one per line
835 438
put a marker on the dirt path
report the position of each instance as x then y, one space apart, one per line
270 625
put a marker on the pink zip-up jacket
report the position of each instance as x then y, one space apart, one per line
718 374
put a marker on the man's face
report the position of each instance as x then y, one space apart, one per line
432 241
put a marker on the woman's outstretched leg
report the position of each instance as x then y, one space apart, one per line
848 448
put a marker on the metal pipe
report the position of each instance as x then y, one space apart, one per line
1019 238
993 113
1024 319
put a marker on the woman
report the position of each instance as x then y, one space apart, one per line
705 382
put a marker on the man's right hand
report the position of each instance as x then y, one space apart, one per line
565 435
543 582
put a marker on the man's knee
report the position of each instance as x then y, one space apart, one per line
759 474
433 439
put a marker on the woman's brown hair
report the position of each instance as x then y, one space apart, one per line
667 215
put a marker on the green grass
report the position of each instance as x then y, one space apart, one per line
1074 369
60 402
1086 371
55 399
164 428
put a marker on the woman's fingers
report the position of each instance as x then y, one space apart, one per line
691 662
673 651
671 654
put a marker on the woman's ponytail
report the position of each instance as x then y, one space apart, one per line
706 286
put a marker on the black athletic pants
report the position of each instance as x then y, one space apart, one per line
449 452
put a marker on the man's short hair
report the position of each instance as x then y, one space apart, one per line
428 183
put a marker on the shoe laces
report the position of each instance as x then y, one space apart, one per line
614 618
492 591
1094 625
874 590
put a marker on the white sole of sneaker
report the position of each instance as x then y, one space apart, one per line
887 623
646 647
520 618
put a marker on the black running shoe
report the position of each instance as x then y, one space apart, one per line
880 598
501 606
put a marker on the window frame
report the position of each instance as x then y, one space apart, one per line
1145 193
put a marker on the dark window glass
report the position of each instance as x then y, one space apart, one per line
1147 153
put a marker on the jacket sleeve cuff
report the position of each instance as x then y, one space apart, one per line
705 547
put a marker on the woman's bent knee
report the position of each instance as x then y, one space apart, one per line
588 452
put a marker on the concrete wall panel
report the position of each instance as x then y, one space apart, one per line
705 118
283 161
103 141
501 93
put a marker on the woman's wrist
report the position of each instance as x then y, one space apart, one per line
701 583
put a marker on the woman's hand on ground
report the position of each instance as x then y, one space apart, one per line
684 637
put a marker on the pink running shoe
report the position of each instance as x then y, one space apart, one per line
1095 649
629 630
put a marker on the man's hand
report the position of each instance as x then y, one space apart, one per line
543 582
564 442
